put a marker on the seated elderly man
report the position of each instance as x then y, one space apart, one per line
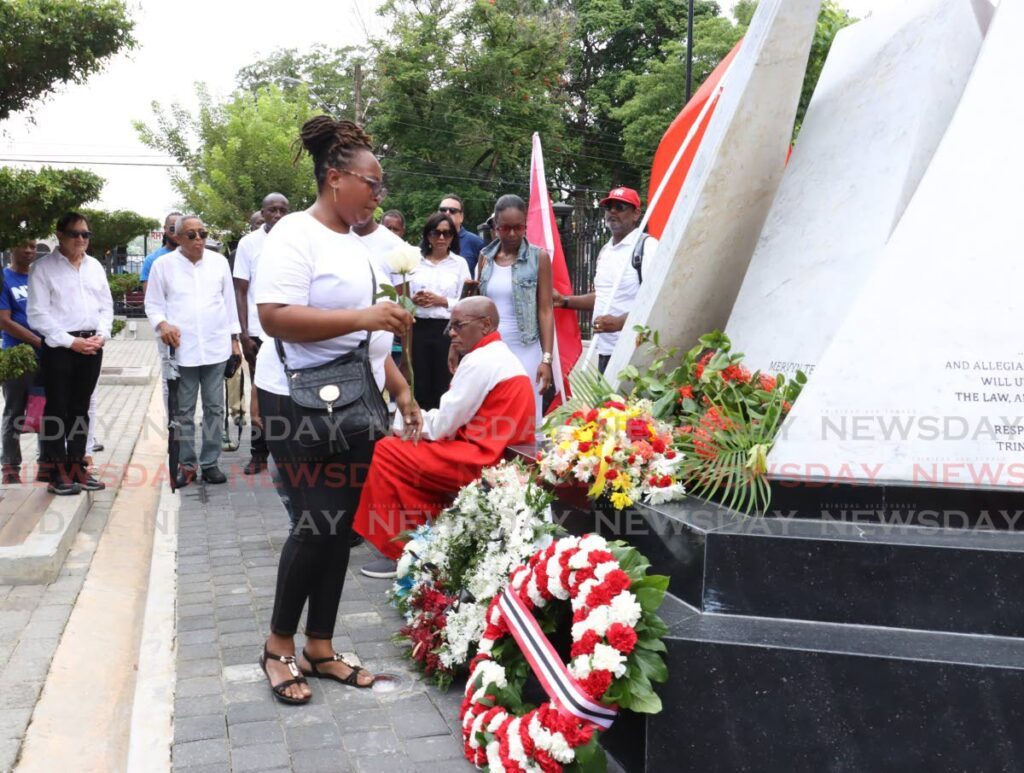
488 407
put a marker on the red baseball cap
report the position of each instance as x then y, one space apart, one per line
627 195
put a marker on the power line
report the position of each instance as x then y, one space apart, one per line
87 163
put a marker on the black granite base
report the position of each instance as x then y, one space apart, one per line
753 695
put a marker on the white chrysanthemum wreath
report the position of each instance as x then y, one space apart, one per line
615 656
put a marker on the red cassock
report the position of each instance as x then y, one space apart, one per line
488 408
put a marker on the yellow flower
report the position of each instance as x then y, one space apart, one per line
620 501
584 434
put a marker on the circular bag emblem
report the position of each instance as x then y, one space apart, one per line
329 393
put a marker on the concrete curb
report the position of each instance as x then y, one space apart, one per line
37 561
152 732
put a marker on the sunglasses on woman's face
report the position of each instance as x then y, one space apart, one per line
437 233
191 235
506 230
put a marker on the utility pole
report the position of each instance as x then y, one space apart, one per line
357 91
689 52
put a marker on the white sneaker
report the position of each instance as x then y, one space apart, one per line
381 569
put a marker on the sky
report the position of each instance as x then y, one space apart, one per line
181 42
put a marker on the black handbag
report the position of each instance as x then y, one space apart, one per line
336 404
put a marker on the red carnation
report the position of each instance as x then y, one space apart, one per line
577 617
584 447
577 415
599 596
617 581
591 415
670 454
597 683
666 481
600 556
585 646
702 362
611 475
686 392
636 429
768 383
615 404
621 637
658 445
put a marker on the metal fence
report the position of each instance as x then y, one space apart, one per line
583 234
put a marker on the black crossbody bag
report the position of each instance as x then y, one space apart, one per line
337 404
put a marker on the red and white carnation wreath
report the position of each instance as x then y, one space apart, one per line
616 641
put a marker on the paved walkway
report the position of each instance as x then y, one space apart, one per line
229 539
33 617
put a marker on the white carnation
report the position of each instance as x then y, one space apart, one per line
597 621
607 658
580 667
553 743
624 609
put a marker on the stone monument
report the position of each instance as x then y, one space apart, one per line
923 383
881 106
715 222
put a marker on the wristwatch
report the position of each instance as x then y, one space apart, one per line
546 359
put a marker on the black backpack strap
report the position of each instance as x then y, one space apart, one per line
638 256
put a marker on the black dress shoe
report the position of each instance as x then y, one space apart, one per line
63 487
185 476
255 466
89 483
12 474
214 475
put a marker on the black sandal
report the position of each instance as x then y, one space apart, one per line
352 680
279 688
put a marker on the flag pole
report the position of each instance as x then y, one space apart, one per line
689 52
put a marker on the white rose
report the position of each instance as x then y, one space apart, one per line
403 260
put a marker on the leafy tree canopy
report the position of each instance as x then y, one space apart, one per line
115 229
49 42
235 154
32 201
462 87
327 74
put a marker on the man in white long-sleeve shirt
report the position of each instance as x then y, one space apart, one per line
70 306
190 301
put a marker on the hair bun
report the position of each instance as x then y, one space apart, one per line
318 134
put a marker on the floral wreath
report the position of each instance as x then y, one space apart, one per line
615 656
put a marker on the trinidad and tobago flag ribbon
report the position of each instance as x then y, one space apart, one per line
561 687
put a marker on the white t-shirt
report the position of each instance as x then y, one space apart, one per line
444 278
305 263
613 260
246 256
380 243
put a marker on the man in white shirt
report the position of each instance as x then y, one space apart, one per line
70 306
621 264
275 206
191 305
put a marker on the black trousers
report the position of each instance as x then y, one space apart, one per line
323 495
257 444
602 361
69 379
430 361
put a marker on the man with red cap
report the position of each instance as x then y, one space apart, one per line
621 265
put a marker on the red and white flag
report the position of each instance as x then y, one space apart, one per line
542 230
679 146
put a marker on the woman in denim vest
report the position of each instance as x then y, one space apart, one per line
516 275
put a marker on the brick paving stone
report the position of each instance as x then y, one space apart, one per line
320 736
212 751
194 707
316 761
252 733
392 763
423 750
201 728
263 757
244 713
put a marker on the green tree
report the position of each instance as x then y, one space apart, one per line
115 229
329 73
462 88
31 201
612 45
49 42
657 95
234 154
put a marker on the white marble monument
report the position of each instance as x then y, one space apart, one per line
715 222
885 97
924 381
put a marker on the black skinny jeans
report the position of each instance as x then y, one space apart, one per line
430 361
323 494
